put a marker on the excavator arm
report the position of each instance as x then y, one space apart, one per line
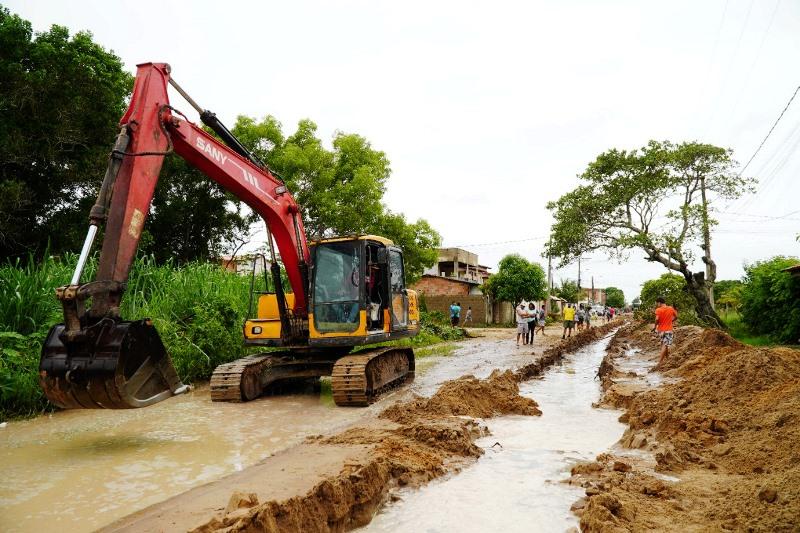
95 359
154 129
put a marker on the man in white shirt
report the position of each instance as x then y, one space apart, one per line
522 324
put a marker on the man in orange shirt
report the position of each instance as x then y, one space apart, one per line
665 316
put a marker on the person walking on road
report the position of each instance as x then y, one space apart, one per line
522 324
569 321
542 319
468 316
455 313
579 317
532 315
665 317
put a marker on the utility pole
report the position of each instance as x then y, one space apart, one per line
549 284
579 272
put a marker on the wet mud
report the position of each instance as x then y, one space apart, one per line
410 443
712 442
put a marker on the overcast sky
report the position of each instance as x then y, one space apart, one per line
489 110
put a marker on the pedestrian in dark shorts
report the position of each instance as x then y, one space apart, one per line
569 321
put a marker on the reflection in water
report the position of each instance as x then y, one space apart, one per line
517 486
78 470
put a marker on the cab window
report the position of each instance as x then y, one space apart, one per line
337 287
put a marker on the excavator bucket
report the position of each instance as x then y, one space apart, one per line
121 365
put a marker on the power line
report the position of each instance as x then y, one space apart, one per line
769 132
755 59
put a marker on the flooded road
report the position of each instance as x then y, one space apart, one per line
516 485
79 470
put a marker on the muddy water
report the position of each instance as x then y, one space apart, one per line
78 470
516 485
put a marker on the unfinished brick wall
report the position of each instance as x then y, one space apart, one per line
477 302
441 286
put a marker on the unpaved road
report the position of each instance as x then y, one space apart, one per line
80 470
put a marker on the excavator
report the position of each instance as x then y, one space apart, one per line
344 293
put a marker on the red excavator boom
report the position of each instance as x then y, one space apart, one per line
95 359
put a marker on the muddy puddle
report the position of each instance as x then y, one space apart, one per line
78 470
516 485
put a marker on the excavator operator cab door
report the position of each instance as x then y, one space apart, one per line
397 284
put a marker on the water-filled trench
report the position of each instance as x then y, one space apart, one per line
80 470
517 484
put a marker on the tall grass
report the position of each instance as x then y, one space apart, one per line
198 310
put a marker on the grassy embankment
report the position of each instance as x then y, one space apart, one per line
198 309
739 331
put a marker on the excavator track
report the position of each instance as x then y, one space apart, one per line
237 381
358 380
247 378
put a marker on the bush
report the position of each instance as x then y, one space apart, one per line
673 288
435 324
769 299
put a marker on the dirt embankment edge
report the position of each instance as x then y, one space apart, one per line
723 431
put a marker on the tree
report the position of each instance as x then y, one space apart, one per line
517 279
769 299
615 297
568 290
340 191
60 102
656 199
191 217
671 287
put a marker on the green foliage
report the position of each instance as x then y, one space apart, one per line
191 217
739 331
672 288
198 310
339 191
517 279
728 294
615 297
769 299
437 324
60 101
724 286
568 290
626 200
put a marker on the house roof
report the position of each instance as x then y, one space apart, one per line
795 269
456 280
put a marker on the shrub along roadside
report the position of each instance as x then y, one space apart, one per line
197 308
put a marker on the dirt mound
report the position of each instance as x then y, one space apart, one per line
468 396
729 429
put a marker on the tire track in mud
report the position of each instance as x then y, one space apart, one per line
410 444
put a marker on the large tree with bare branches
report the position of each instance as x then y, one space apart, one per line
656 199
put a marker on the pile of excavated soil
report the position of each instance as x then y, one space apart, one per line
729 429
468 396
410 443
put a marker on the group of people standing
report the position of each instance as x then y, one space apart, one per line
529 319
455 314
